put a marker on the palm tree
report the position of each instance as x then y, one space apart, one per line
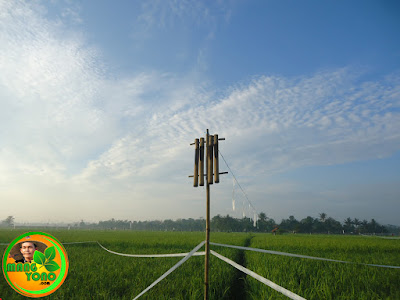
357 223
373 225
348 222
364 226
322 217
262 216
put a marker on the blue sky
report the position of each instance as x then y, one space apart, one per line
101 99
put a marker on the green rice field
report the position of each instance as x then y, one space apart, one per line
97 274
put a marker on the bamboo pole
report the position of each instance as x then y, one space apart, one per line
201 162
216 162
210 159
196 163
207 244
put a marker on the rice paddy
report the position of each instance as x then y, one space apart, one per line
97 274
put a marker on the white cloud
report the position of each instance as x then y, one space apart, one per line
71 133
271 124
48 85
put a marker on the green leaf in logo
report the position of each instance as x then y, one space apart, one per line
50 253
46 259
51 266
39 257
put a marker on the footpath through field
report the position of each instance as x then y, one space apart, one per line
238 291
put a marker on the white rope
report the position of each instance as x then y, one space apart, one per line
244 193
301 256
271 284
151 255
232 246
172 269
383 237
137 255
233 194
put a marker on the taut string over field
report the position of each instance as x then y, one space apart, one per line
256 276
194 252
229 246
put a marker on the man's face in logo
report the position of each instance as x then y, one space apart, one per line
27 250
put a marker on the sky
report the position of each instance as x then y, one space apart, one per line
100 101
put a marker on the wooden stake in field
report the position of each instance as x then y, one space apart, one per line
211 150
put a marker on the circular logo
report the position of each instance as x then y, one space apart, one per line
35 264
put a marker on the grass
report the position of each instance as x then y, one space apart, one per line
313 279
97 274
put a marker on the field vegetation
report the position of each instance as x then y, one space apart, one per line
314 279
97 274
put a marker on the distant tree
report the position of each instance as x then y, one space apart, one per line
373 226
364 226
290 224
348 222
322 217
169 224
216 223
393 229
348 225
228 223
265 224
246 224
306 224
333 226
319 226
9 221
357 224
262 217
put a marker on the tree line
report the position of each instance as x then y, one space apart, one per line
321 224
